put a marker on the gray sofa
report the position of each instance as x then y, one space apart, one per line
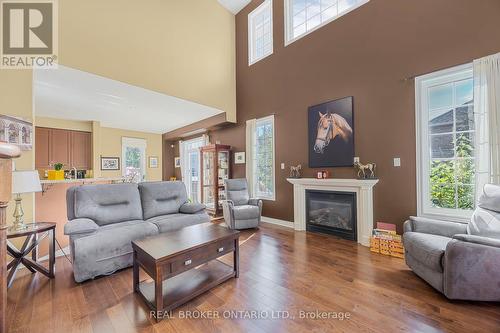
104 219
240 211
462 261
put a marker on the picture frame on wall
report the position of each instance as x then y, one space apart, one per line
16 131
177 162
239 158
153 162
331 134
110 163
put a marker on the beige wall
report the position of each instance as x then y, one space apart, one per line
75 125
111 145
16 100
181 48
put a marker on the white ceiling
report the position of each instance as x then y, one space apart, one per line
234 6
67 93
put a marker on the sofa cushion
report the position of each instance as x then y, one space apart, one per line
177 221
246 212
109 243
484 223
162 198
428 249
192 208
237 191
108 203
490 198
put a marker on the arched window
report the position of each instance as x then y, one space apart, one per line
13 133
3 125
26 135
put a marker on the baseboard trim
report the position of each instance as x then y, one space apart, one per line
279 222
59 253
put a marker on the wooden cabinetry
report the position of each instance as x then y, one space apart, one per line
59 147
42 157
215 168
71 148
81 150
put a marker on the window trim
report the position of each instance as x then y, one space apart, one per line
288 21
254 168
136 143
422 143
261 7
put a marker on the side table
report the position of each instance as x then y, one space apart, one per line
34 234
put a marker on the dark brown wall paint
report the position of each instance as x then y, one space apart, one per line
366 54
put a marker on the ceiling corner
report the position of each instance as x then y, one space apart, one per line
234 6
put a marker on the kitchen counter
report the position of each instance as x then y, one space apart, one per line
83 180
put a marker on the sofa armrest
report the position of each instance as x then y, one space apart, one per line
471 270
255 202
435 227
495 242
227 211
192 208
80 226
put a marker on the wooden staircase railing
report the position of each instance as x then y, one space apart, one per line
7 152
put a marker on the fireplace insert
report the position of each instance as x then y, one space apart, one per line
331 212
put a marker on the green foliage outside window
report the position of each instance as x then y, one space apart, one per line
452 180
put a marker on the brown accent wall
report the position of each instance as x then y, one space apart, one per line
365 54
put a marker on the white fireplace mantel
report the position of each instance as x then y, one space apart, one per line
364 201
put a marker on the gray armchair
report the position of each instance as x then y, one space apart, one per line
240 211
459 260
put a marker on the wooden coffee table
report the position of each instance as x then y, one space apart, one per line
182 264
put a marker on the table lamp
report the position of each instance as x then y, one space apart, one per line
23 182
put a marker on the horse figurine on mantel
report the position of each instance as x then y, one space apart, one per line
365 170
330 125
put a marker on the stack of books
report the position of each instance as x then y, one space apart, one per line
386 241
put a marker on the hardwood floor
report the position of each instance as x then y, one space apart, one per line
280 270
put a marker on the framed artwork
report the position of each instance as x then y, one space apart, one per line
16 131
110 163
153 162
239 158
177 162
331 134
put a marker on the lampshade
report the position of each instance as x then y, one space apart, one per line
26 182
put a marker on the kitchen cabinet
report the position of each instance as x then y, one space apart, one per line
59 144
71 148
42 157
81 150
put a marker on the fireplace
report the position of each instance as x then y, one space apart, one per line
331 212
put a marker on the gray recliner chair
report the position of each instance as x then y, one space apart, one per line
462 261
240 211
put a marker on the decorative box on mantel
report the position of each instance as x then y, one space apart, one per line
363 188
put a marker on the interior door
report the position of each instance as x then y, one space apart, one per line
193 176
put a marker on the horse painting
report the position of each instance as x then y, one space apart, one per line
331 134
330 125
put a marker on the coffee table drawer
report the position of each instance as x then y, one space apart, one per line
200 256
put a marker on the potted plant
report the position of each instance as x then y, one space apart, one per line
57 173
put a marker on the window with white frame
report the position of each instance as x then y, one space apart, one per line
446 143
305 16
260 32
134 159
263 184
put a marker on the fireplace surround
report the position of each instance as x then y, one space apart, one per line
364 201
